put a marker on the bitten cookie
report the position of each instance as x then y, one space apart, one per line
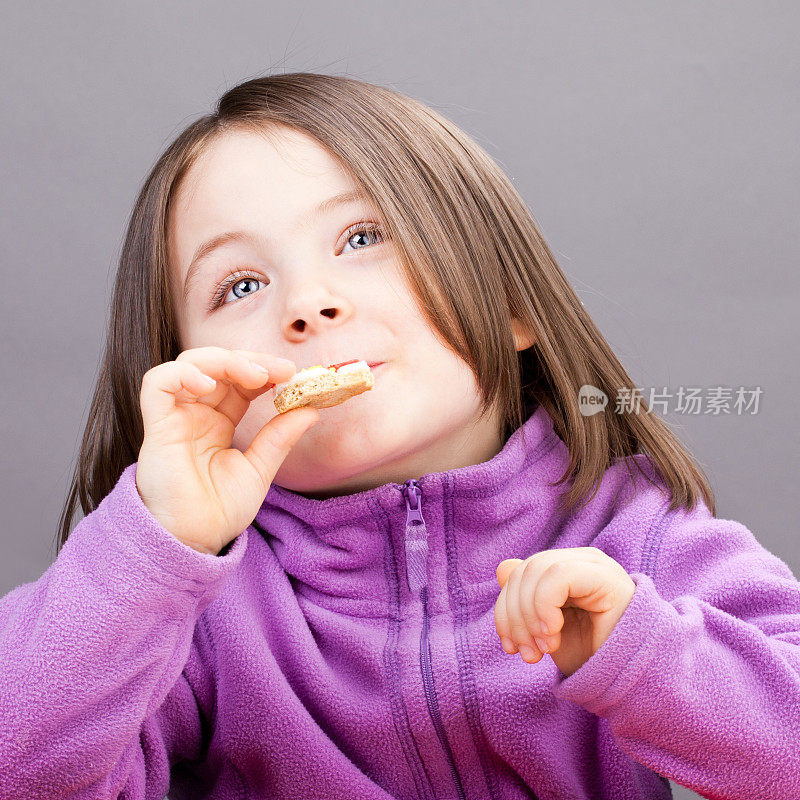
322 387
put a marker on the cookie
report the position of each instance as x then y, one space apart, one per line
322 387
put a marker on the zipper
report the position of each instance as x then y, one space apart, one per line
416 543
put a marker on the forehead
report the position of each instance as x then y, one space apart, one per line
249 180
240 166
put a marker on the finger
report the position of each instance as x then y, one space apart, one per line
214 361
273 442
236 401
505 568
239 381
534 569
528 649
501 622
582 553
583 584
162 385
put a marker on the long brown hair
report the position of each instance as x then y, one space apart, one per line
472 253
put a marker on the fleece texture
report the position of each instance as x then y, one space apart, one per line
334 651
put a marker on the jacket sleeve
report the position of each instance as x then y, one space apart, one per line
700 678
100 662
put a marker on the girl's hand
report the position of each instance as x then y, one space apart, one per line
199 488
579 593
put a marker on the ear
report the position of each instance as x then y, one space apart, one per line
523 337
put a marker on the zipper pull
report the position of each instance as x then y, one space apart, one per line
416 539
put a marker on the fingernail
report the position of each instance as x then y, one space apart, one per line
259 368
526 652
541 644
508 645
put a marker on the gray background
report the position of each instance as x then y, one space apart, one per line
655 143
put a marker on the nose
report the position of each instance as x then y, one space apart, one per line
312 310
300 324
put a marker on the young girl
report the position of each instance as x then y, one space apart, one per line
455 585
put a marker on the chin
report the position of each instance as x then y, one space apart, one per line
334 454
332 458
296 477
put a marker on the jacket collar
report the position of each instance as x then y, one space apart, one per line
338 546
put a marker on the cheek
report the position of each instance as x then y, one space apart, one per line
440 368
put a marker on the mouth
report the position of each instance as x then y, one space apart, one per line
373 364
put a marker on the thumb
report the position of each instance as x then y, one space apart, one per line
505 568
272 443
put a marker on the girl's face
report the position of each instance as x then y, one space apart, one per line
320 288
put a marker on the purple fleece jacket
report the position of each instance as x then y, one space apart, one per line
337 650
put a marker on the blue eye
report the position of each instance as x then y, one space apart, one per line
232 280
370 229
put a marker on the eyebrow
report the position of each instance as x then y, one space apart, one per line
233 237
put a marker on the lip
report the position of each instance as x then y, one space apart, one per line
373 364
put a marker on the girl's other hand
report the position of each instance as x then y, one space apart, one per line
578 593
199 488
